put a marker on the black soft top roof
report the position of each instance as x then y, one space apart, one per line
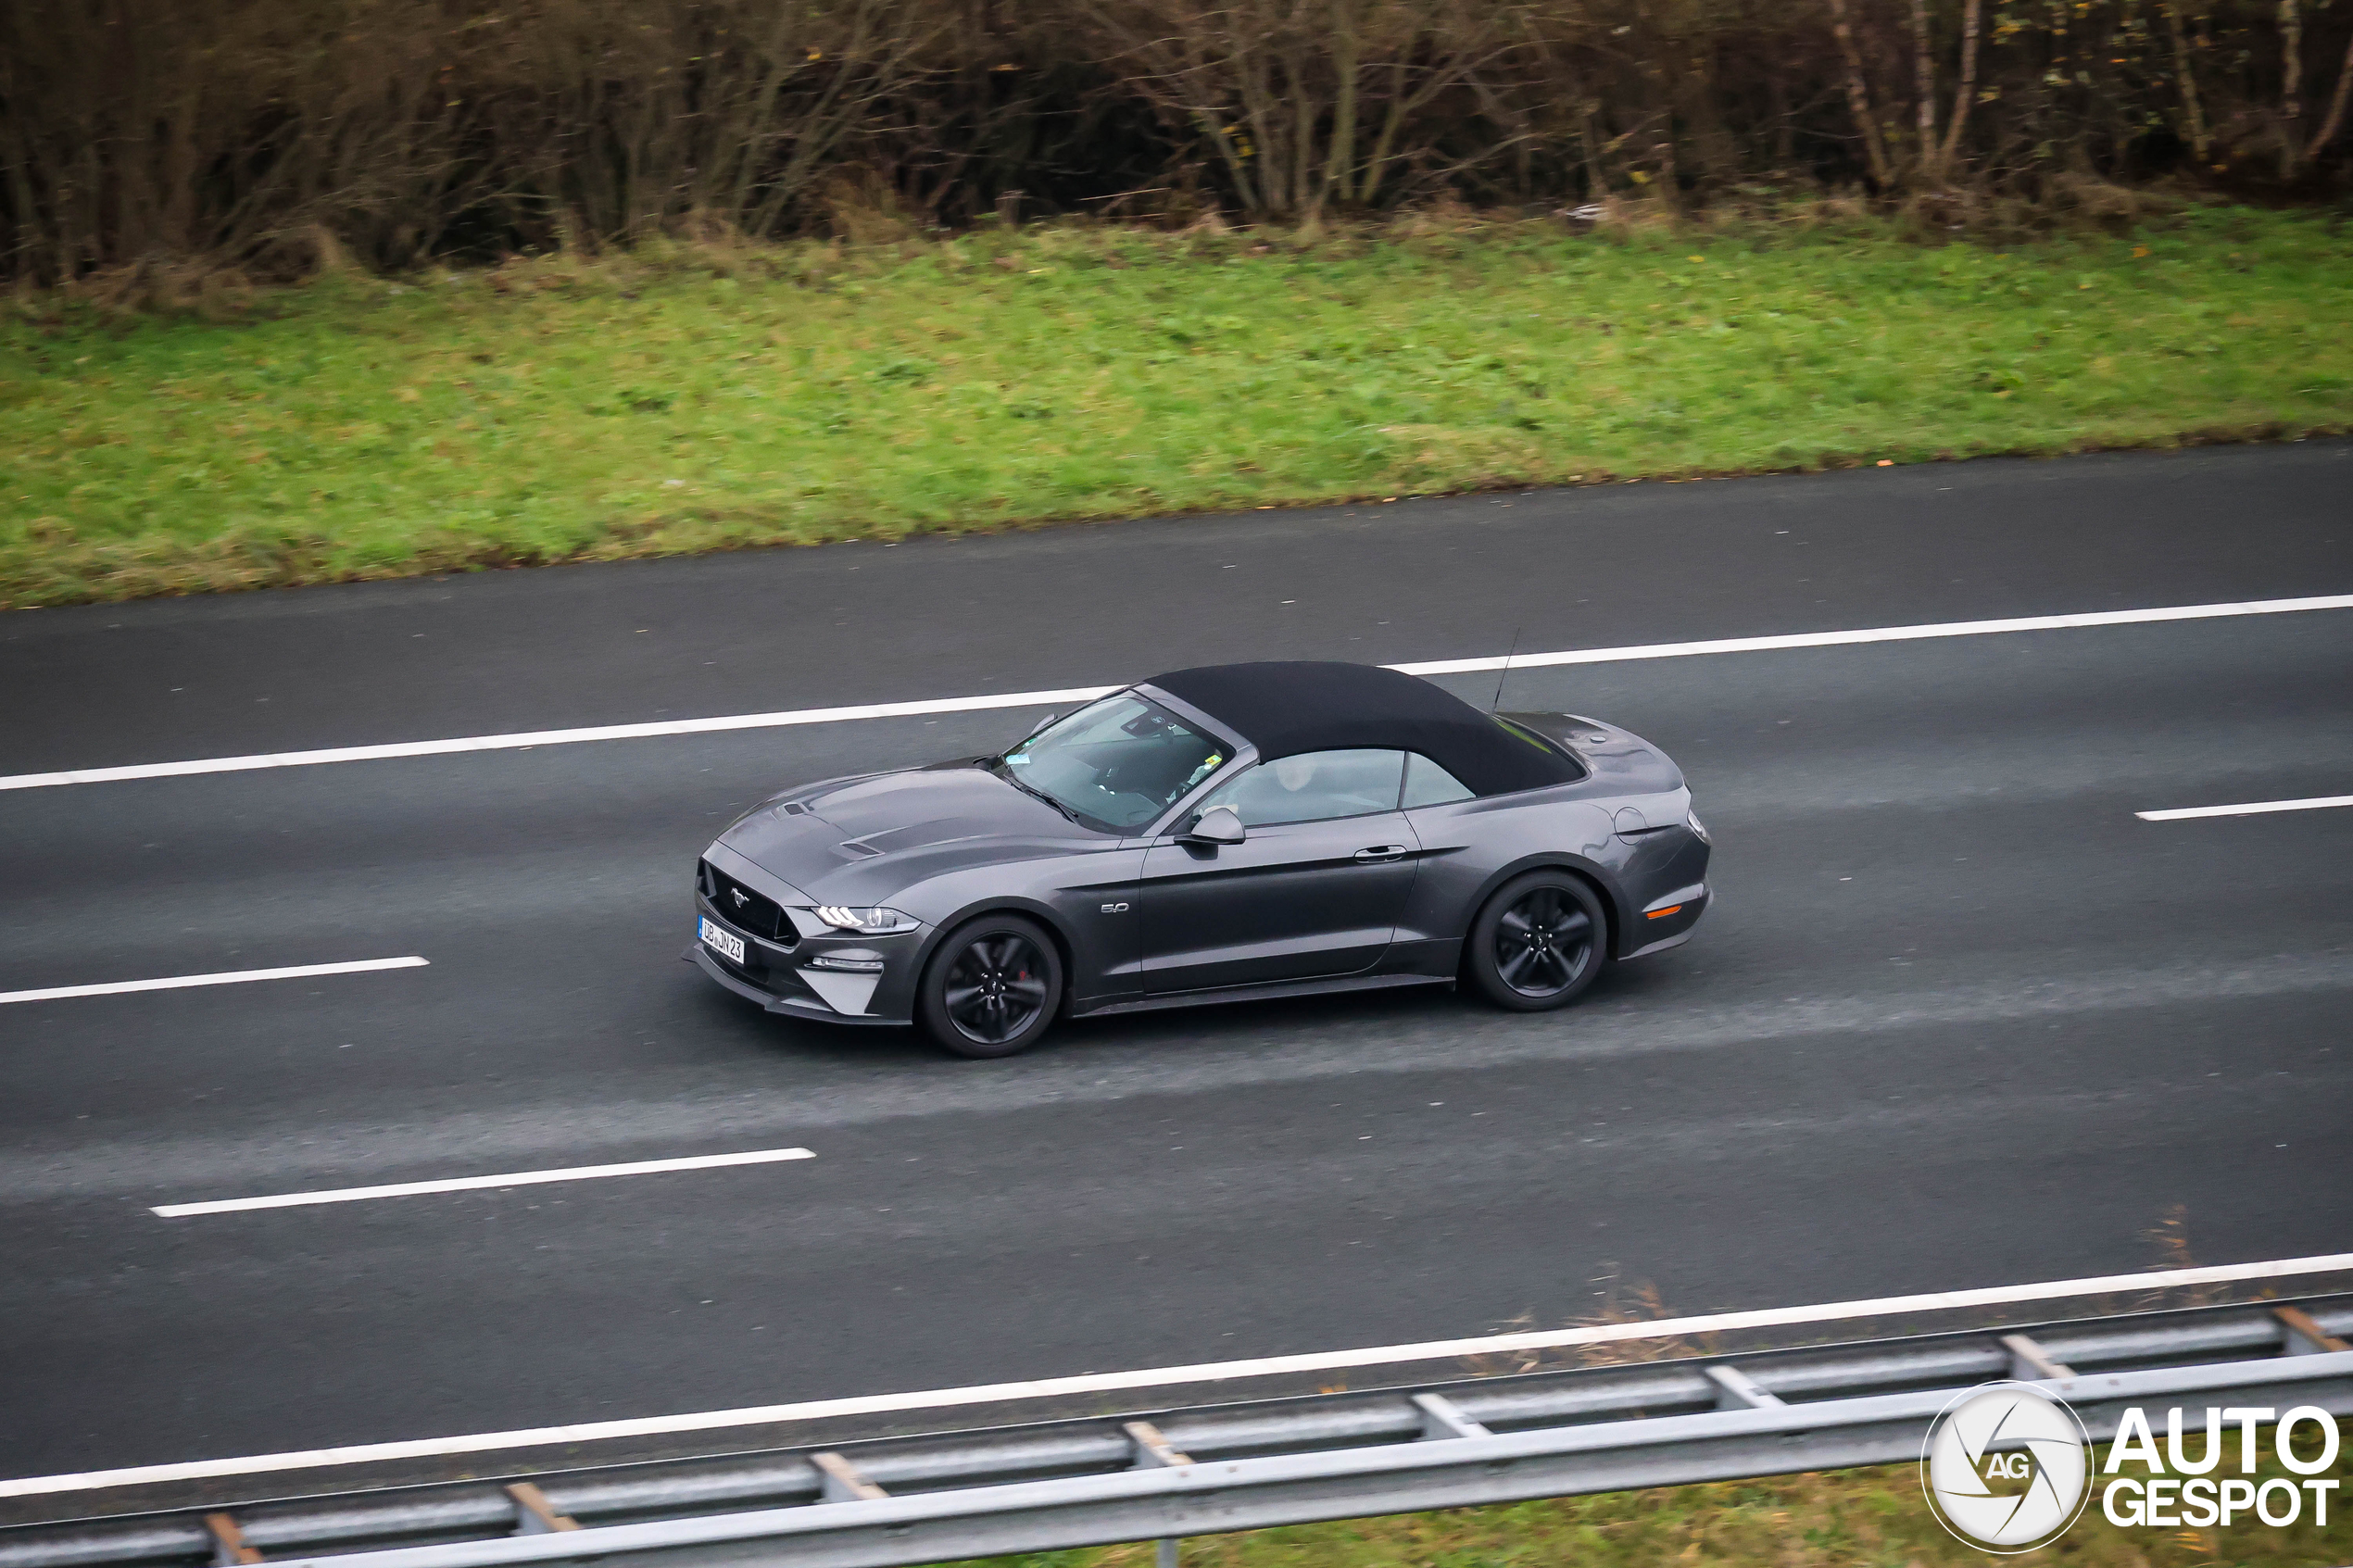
1284 708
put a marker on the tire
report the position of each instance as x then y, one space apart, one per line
991 988
1538 943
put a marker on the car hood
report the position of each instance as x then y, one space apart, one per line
861 840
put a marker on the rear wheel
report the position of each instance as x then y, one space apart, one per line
1538 943
992 987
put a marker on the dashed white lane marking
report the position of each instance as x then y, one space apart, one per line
226 977
1164 1377
1087 694
468 1183
2253 808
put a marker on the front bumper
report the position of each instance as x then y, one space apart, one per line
782 980
710 963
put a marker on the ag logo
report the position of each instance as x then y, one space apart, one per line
2006 1467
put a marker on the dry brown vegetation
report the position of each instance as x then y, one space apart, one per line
144 142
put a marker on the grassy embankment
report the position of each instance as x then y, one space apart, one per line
705 399
1844 1519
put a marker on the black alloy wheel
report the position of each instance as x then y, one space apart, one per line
1539 942
993 988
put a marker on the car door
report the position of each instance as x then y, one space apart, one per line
1315 890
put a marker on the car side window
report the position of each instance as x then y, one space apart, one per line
1426 783
1314 786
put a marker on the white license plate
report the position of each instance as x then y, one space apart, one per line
725 943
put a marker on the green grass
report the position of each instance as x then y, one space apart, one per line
1842 1519
715 398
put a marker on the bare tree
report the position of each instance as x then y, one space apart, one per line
1924 87
2291 86
1278 89
2185 75
1858 95
1972 19
2335 117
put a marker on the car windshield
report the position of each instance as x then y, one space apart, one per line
1115 764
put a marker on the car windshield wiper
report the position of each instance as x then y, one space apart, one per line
1004 770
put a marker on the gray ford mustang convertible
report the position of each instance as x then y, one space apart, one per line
1213 834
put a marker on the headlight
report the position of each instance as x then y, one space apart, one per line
1699 829
873 923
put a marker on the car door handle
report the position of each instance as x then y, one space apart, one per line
1381 852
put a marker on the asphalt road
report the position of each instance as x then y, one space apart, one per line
1959 1017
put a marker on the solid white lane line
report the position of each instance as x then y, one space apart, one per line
1886 634
226 977
549 738
2255 808
1162 1378
1087 694
468 1183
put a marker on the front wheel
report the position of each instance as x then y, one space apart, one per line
992 987
1538 943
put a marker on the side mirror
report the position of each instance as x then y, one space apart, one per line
1041 724
1219 824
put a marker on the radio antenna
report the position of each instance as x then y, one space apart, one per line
1502 674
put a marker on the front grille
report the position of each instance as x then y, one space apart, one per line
741 907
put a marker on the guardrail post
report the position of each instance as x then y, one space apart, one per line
1735 1390
1151 1451
844 1482
228 1542
2301 1336
534 1516
1441 1417
2030 1362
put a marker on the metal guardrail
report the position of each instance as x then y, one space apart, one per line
906 1500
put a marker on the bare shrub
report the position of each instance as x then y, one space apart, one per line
276 138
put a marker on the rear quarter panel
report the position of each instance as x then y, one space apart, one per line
1598 826
1470 847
